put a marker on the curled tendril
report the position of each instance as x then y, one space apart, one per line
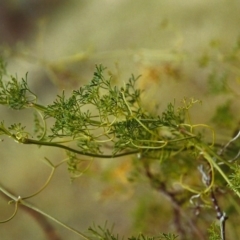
187 187
162 145
191 127
43 187
49 163
15 209
207 178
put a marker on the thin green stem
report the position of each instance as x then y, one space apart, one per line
125 101
152 133
57 145
55 220
18 200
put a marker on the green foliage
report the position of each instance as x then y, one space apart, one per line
116 119
104 233
235 179
13 93
100 120
214 232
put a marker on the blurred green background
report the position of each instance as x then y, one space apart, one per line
59 43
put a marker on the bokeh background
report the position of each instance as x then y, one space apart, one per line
58 43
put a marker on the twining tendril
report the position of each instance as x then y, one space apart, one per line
16 202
